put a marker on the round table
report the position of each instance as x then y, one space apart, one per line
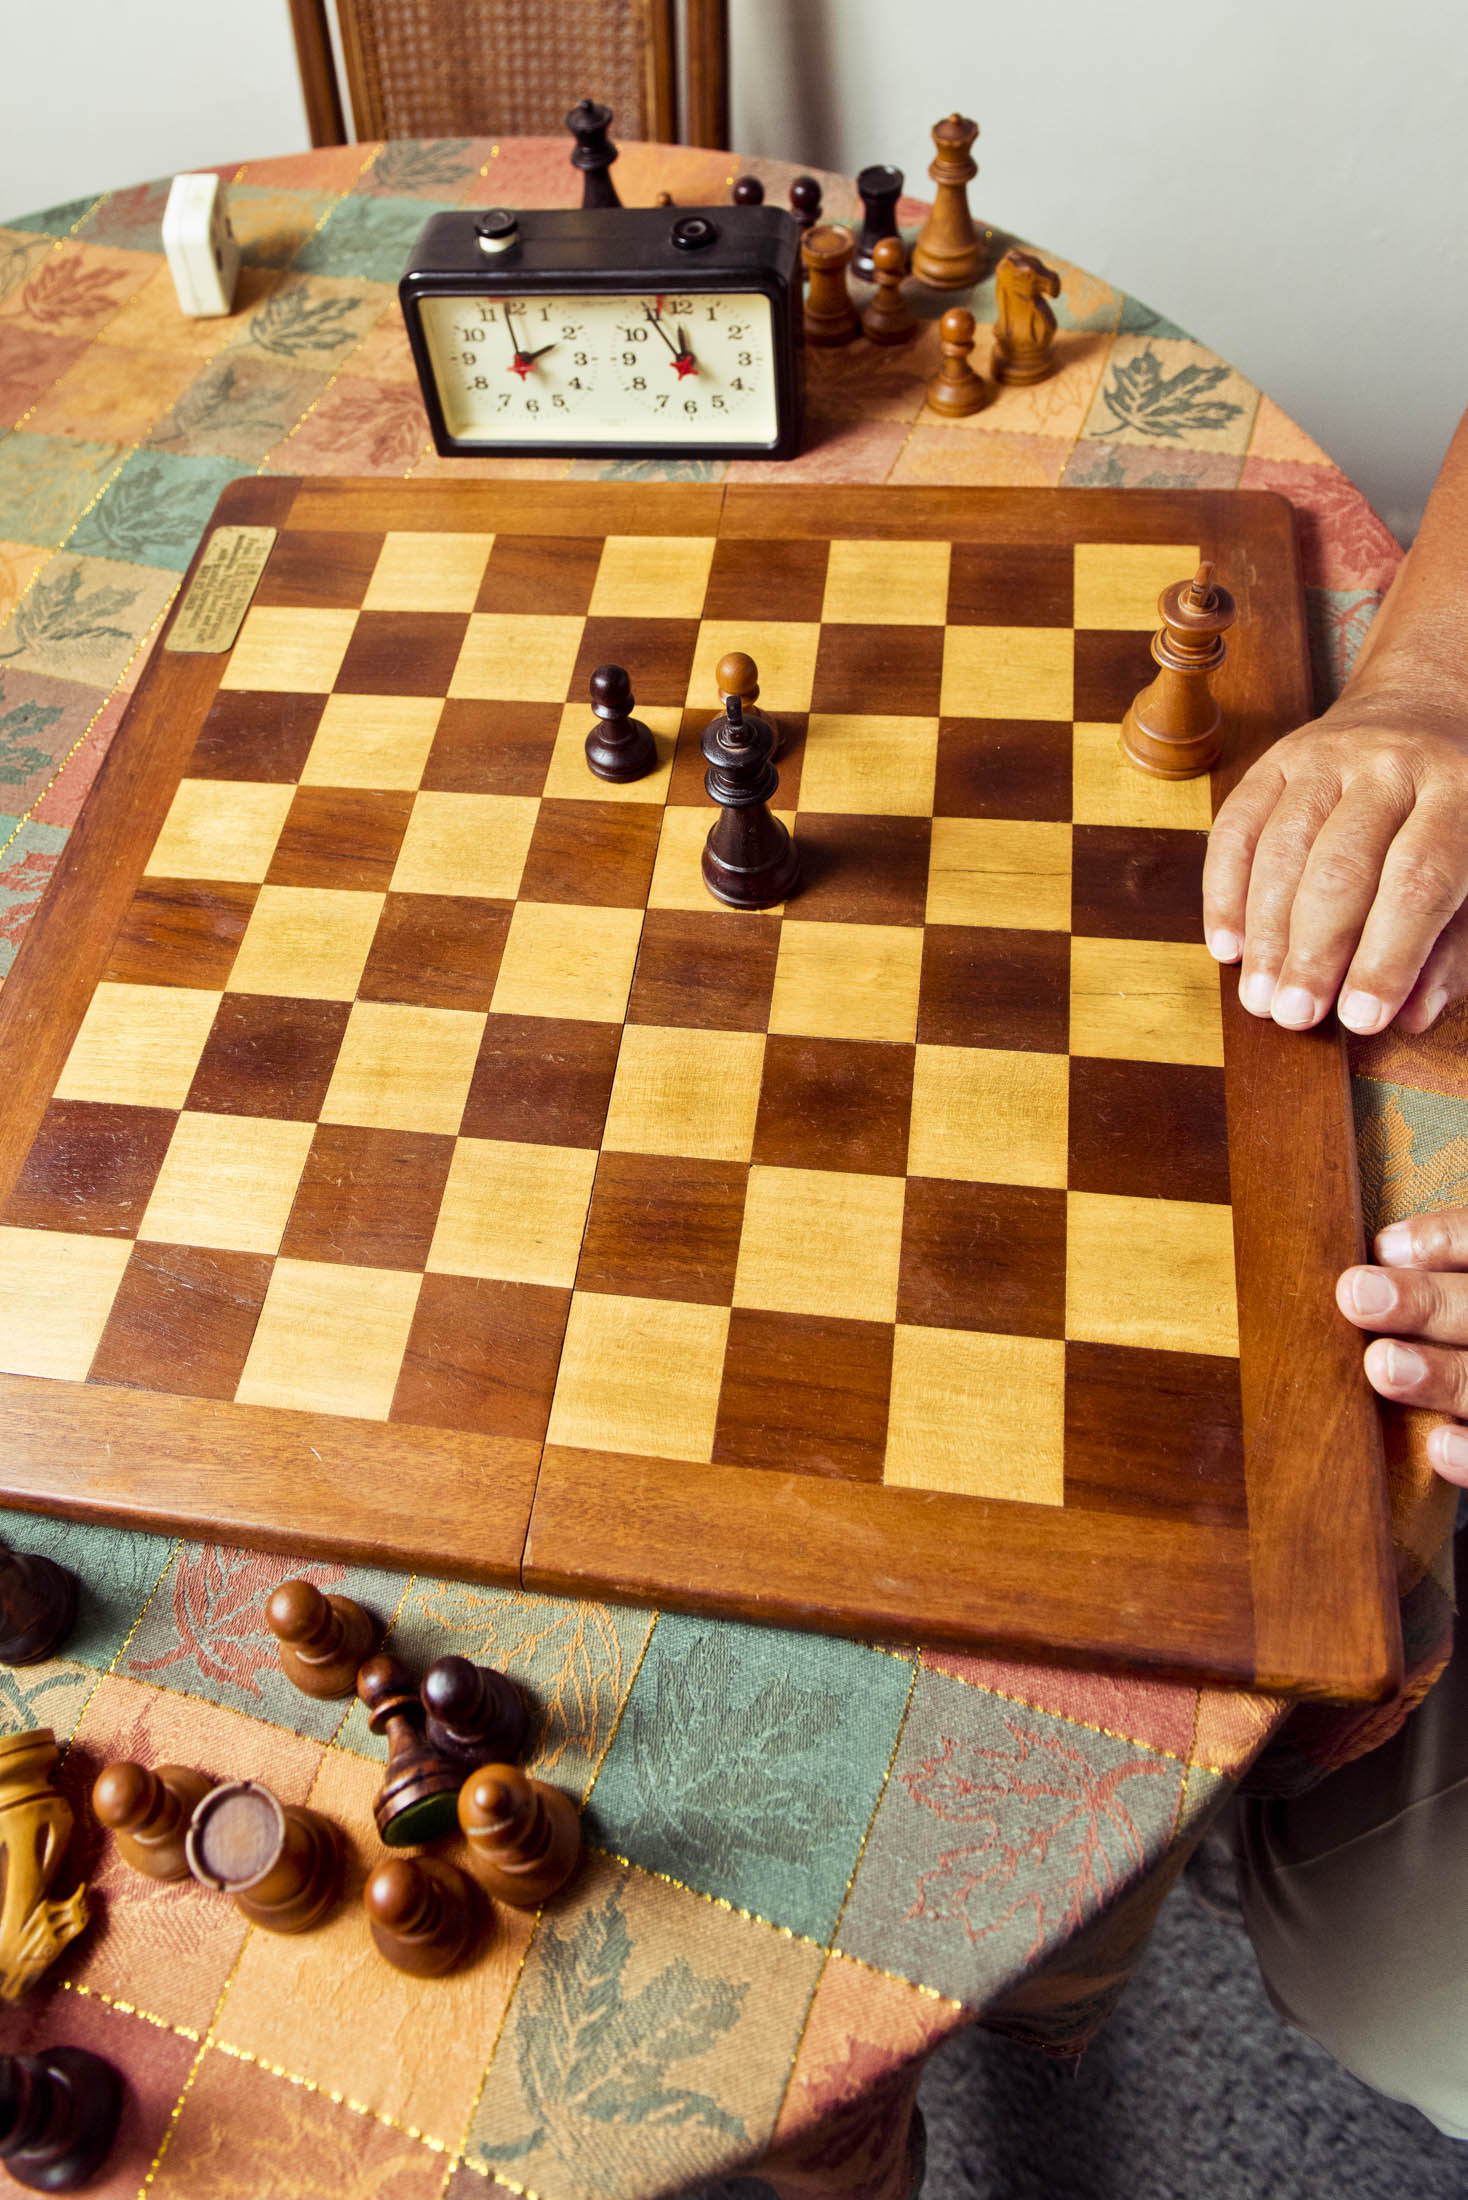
810 1860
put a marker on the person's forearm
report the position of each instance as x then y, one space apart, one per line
1417 645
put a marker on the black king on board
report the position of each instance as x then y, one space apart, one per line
749 859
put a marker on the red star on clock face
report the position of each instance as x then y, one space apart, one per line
520 365
685 365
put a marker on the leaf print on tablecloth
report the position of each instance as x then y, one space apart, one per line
292 321
406 166
17 257
225 398
218 1612
57 611
65 290
1167 405
17 760
1405 1169
379 423
589 2054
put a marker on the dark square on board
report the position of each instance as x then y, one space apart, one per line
880 671
182 1320
545 1080
834 1104
482 1357
1148 1130
1004 767
711 969
250 734
91 1167
342 838
402 653
663 1226
767 580
805 1394
268 1055
549 575
1111 669
983 1256
436 951
1133 882
990 988
368 1198
319 570
657 653
180 932
492 748
1011 584
861 870
1158 1434
599 853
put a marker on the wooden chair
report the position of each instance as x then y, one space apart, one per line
492 68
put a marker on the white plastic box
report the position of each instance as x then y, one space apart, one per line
203 252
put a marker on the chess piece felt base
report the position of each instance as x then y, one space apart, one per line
417 1800
148 1811
523 1837
281 1863
1174 727
424 1914
58 2117
321 1640
475 1715
37 1607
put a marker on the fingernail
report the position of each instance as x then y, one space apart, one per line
1361 1011
1449 1449
1394 1246
1293 1006
1433 1006
1404 1367
1257 992
1225 947
1371 1291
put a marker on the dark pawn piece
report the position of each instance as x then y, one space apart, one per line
148 1810
281 1863
747 191
476 1716
423 1914
37 1607
589 122
621 747
323 1639
805 201
523 1837
58 2117
749 859
880 188
418 1798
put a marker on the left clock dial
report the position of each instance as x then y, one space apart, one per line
507 367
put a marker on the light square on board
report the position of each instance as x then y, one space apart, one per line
989 1116
330 1339
889 583
977 1415
1106 789
222 829
868 766
679 1090
402 1068
677 873
428 572
372 741
640 1375
56 1292
818 1241
138 1044
571 779
1009 873
513 1211
1156 1273
652 577
1008 672
1117 584
227 1181
310 942
466 844
848 981
1145 1001
568 960
784 652
517 658
288 651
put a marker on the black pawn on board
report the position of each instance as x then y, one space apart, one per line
749 859
747 191
58 2117
805 201
37 1607
880 187
621 747
418 1800
589 122
476 1716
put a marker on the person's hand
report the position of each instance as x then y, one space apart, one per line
1339 866
1419 1293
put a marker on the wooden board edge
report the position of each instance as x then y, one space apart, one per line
557 508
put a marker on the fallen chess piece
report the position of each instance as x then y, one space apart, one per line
323 1639
523 1837
749 859
59 2111
1024 335
424 1914
1174 728
35 1826
956 390
620 747
947 252
418 1796
147 1810
281 1863
37 1607
889 319
475 1716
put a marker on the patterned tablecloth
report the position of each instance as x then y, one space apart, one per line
811 1860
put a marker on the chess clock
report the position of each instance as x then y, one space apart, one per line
609 332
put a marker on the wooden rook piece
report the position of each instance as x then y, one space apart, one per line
749 859
747 191
476 1716
889 319
949 253
880 188
323 1639
58 2117
524 1838
805 201
589 122
37 1607
423 1913
1174 727
148 1811
621 747
1025 336
417 1799
955 389
281 1862
830 316
35 1826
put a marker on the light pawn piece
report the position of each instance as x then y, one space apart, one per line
281 1863
948 252
322 1639
147 1811
417 1798
956 390
59 2111
619 747
1174 728
1024 337
749 859
476 1716
830 316
889 319
523 1836
424 1914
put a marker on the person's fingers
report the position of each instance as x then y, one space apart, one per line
1442 980
1231 843
1423 881
1337 888
1280 856
1430 1375
1406 1302
1438 1239
1447 1448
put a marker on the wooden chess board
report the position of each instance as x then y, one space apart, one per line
405 1157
